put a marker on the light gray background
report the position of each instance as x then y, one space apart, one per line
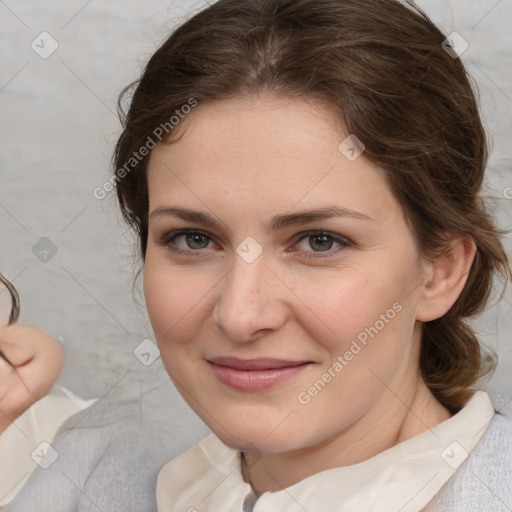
57 135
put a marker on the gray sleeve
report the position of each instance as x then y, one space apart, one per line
484 482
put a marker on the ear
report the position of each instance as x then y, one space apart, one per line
445 278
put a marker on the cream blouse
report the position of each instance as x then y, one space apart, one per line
404 478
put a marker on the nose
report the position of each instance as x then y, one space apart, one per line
249 304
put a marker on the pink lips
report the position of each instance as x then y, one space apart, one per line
254 374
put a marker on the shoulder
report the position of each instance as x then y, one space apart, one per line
482 483
492 456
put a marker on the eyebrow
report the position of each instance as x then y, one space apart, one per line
277 223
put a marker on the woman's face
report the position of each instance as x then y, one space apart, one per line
287 309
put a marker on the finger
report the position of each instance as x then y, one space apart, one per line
7 372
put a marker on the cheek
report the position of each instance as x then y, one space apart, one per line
167 299
177 301
342 306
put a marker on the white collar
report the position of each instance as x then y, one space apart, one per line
25 443
405 478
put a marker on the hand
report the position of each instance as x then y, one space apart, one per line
30 363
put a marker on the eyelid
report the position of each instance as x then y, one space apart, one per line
343 241
167 239
170 236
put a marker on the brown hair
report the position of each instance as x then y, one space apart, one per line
15 309
15 299
383 65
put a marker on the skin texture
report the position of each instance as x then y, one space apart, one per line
34 363
244 161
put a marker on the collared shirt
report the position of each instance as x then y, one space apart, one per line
405 477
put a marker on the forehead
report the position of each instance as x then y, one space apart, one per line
263 153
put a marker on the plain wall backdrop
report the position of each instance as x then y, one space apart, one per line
69 254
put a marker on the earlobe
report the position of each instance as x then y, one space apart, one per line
445 278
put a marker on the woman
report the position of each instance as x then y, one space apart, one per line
303 176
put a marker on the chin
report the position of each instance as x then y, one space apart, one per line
268 433
249 440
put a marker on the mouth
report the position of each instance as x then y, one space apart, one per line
255 374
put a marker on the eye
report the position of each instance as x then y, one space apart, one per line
320 242
192 242
186 241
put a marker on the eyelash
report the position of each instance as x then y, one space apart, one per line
166 241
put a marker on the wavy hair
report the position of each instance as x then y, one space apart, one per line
384 66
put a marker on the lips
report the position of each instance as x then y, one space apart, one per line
264 363
254 374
